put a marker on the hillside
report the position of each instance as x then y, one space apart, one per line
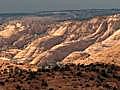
43 43
32 42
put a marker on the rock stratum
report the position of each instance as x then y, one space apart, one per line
36 42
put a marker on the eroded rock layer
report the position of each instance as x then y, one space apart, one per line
34 41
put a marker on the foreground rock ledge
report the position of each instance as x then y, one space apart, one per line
70 77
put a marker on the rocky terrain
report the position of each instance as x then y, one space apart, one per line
65 77
37 53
